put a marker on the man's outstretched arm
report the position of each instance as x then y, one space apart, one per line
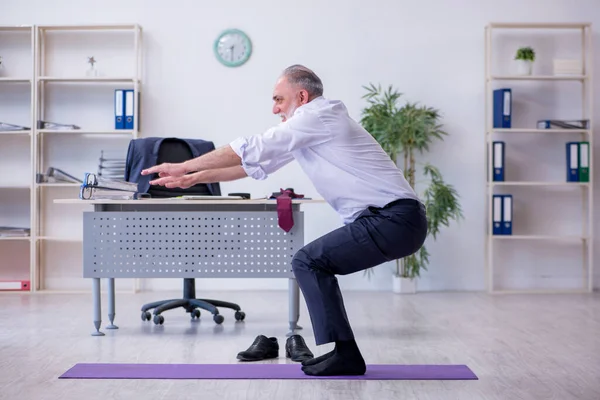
207 176
222 157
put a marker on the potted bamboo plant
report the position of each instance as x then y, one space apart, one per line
404 132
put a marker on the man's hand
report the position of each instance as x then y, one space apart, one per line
166 170
183 182
209 176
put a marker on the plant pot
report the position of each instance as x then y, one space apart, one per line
524 67
404 285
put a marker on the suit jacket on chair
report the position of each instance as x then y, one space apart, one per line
143 153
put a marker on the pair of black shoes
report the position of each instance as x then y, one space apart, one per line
264 348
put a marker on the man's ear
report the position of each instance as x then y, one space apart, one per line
303 96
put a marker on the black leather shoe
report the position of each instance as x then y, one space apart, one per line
261 349
296 349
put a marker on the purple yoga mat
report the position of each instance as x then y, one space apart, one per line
260 371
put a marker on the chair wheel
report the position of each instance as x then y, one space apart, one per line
159 319
218 318
196 314
240 315
146 316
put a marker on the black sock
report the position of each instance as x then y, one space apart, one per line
345 360
319 359
347 347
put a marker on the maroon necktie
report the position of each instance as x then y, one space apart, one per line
284 209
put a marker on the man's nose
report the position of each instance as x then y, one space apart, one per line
276 110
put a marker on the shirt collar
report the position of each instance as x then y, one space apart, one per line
311 104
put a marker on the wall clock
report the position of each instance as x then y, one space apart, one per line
233 48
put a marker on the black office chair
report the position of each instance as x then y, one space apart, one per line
173 150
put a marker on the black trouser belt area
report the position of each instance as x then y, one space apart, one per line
402 201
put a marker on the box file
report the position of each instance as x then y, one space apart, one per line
502 214
94 180
502 108
119 109
129 109
100 193
584 162
497 214
507 213
572 161
498 160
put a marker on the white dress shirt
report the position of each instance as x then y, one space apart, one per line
344 162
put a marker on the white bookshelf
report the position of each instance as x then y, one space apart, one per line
97 79
538 78
34 66
539 237
540 183
17 49
16 238
544 131
127 132
16 133
495 79
15 80
54 63
64 92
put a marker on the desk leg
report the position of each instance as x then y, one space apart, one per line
97 308
111 303
294 310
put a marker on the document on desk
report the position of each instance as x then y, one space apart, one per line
206 197
99 193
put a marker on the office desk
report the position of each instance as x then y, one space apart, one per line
176 238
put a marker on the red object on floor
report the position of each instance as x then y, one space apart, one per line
15 285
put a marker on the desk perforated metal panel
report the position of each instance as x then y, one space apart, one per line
186 244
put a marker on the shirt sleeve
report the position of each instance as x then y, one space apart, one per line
275 164
266 153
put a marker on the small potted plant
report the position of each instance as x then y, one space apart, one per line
525 57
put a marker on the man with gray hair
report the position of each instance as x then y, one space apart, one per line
383 219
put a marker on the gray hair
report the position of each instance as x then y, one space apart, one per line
305 78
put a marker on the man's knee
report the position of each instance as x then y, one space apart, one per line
301 261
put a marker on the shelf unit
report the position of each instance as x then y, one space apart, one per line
491 133
54 50
538 78
17 48
48 78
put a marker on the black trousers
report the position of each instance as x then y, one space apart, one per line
378 235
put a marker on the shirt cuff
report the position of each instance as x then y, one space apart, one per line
254 171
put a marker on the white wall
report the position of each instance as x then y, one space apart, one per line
432 51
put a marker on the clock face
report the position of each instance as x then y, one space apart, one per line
233 48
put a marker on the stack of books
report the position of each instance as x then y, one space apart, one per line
95 187
567 67
111 168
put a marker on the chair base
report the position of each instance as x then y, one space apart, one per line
191 305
